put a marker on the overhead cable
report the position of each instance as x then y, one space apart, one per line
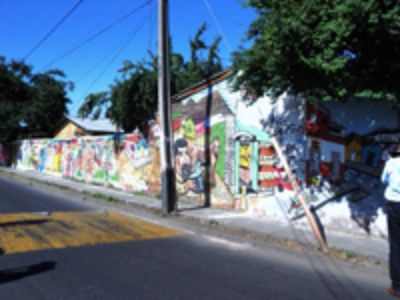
97 34
111 61
59 23
221 32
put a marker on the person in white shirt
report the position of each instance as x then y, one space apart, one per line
391 178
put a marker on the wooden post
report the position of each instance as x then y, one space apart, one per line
300 195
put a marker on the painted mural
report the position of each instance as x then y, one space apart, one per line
222 150
285 119
127 162
200 149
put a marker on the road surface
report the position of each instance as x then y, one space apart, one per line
54 247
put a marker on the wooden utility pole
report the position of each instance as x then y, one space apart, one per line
164 110
300 195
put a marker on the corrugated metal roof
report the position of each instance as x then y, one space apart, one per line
100 125
214 79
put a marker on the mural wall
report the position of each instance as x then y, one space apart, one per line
200 128
223 152
353 135
126 162
284 119
321 141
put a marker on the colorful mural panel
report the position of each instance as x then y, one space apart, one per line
191 157
200 147
122 161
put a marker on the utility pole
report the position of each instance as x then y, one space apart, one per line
164 110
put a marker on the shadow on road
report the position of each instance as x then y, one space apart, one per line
25 271
24 222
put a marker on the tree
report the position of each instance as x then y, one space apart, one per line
132 99
14 92
48 102
322 49
31 105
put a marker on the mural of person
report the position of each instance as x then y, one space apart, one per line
245 164
182 164
196 179
189 167
214 149
189 129
154 132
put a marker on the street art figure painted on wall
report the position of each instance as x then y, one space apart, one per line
245 164
189 161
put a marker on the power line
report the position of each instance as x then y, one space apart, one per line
98 63
122 47
103 58
233 22
63 19
91 38
97 34
30 52
211 12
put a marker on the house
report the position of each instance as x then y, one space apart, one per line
354 146
75 127
371 155
214 151
325 145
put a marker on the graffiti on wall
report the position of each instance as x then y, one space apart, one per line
335 147
127 161
190 155
245 153
285 119
200 148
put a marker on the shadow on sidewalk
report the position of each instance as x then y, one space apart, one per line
319 224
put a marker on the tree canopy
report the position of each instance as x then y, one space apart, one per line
132 99
31 104
322 49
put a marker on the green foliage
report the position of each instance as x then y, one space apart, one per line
31 105
322 49
93 105
132 99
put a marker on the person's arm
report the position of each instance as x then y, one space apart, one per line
386 173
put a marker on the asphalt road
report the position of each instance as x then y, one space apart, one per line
153 262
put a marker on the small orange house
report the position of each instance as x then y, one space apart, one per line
75 127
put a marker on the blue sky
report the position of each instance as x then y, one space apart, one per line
94 66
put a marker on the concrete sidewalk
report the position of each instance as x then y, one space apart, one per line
361 244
